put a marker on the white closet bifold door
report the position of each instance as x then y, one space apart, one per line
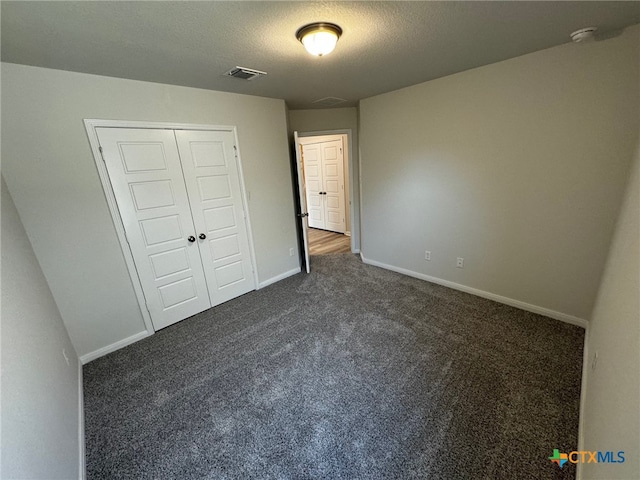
324 181
179 195
333 179
312 155
146 177
212 177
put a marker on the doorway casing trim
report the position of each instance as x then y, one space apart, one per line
352 181
90 126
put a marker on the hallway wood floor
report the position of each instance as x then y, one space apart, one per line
323 242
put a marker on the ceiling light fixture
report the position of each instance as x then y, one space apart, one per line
319 38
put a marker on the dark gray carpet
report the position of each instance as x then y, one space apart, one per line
350 372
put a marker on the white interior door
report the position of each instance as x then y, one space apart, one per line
147 180
303 214
312 159
333 181
212 177
323 163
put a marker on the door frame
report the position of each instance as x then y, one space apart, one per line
354 205
91 124
304 143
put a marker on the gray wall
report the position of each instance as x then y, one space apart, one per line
40 403
335 119
48 165
518 167
611 417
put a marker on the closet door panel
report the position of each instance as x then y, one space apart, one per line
211 173
333 177
324 180
146 177
313 181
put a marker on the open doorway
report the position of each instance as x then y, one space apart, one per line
324 242
324 177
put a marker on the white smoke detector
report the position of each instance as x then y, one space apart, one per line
584 34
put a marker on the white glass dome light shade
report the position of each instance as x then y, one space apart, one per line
320 43
319 38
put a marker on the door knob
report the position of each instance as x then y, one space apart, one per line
202 236
191 239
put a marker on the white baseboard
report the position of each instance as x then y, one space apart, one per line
82 468
583 400
481 293
101 352
277 278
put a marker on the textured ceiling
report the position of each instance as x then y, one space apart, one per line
385 45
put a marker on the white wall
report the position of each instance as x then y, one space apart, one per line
327 119
49 168
611 417
40 403
519 167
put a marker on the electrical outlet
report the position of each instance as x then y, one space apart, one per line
427 255
291 252
460 262
594 362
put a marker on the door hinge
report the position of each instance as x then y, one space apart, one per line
235 151
101 153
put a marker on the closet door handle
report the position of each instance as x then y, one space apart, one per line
191 238
202 236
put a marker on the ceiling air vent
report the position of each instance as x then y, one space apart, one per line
245 73
329 101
